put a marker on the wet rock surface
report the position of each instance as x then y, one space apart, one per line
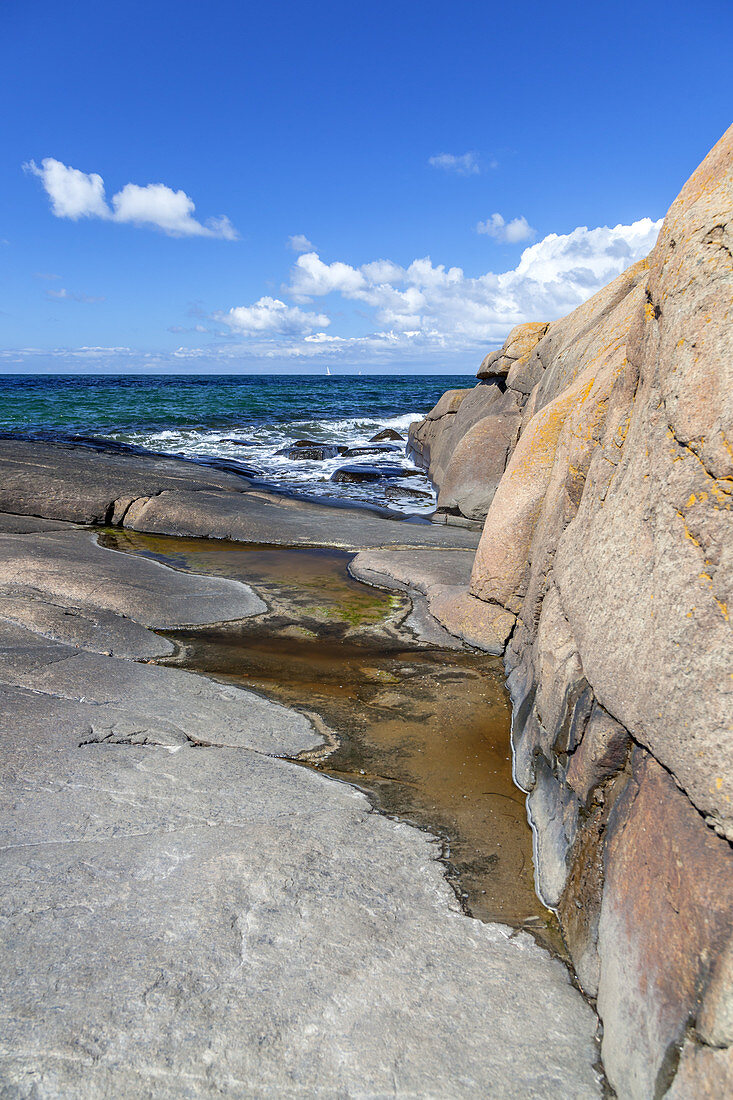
185 915
364 472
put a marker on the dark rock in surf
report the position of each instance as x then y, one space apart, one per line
372 473
386 434
313 452
378 449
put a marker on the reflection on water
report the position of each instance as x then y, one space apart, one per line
424 731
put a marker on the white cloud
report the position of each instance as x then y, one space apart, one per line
270 316
312 278
464 165
76 194
518 229
64 295
73 194
300 243
552 277
423 315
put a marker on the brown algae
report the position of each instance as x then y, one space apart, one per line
424 731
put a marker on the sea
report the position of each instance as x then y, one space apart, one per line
249 423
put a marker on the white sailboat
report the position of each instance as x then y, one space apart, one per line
328 371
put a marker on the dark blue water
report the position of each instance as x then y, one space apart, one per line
245 419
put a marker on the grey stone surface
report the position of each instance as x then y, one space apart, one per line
73 568
442 577
184 915
67 482
213 922
267 518
174 497
86 627
186 707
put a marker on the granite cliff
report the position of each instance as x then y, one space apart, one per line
596 450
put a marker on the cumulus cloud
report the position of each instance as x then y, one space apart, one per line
466 164
75 194
312 278
300 243
552 277
512 232
428 315
63 295
270 316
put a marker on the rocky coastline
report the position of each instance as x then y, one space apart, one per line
188 912
595 453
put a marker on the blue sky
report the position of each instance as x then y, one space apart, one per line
383 186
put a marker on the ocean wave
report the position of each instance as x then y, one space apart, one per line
258 445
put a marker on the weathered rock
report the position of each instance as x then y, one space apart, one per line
433 443
441 576
525 374
715 1019
501 570
386 434
702 1074
666 915
372 449
429 440
645 570
358 472
518 345
67 482
479 459
563 699
78 484
482 625
601 753
71 567
553 813
312 452
186 916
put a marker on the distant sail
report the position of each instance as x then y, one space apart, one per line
328 371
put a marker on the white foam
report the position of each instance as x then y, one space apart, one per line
262 441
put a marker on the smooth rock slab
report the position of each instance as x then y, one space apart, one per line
217 923
442 576
70 565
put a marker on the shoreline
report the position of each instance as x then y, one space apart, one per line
474 1042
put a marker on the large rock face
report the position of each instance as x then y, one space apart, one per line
609 536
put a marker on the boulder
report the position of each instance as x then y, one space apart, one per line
372 473
387 434
313 452
501 569
372 449
464 461
478 461
518 345
645 570
429 440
